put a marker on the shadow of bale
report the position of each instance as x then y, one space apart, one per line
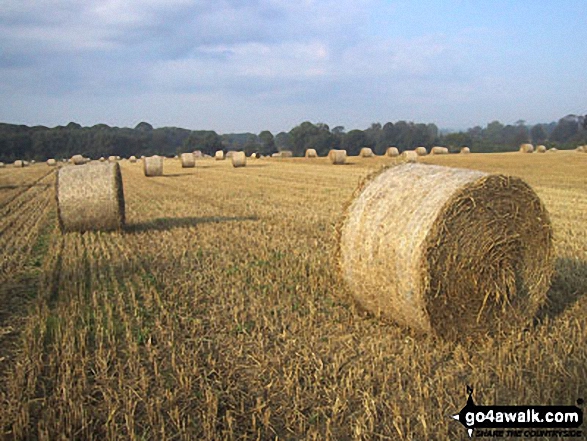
168 223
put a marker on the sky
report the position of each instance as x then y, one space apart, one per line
248 66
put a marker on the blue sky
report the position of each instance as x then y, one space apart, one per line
236 66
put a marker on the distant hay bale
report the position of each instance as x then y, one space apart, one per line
25 163
437 150
188 160
276 155
33 161
153 165
239 159
421 151
2 165
286 154
112 158
337 157
410 155
19 163
581 149
133 159
51 162
450 251
230 153
465 150
102 159
552 150
541 149
219 155
311 153
198 154
366 152
78 160
526 148
392 151
90 197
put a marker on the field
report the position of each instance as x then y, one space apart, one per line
219 313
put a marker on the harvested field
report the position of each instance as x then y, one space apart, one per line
143 334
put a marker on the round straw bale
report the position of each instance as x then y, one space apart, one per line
409 155
337 157
392 151
366 152
219 155
33 161
112 158
25 163
78 160
552 150
19 163
311 153
581 149
2 165
51 162
421 151
526 148
102 159
133 159
198 154
439 151
286 154
239 159
153 165
188 160
541 149
446 250
465 150
90 197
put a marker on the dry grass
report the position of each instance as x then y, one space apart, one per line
147 335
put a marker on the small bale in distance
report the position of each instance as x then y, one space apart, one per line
102 159
437 150
410 155
90 197
239 159
366 152
541 149
132 159
19 163
219 155
153 165
392 152
112 158
2 165
421 151
474 251
286 154
526 148
581 149
78 160
552 150
465 150
188 160
51 162
198 154
337 157
311 153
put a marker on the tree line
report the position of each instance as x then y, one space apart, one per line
40 142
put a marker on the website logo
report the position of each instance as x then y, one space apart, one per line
520 421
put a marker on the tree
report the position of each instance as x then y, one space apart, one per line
267 142
538 134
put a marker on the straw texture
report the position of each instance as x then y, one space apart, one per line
450 251
90 197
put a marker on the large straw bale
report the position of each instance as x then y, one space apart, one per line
465 150
582 149
219 155
366 152
526 148
392 151
449 251
2 165
188 160
409 155
421 151
337 157
153 165
437 150
239 159
311 153
51 162
90 197
541 149
19 163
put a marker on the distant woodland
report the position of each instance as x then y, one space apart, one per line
40 142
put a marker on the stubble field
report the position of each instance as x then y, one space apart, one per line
219 312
